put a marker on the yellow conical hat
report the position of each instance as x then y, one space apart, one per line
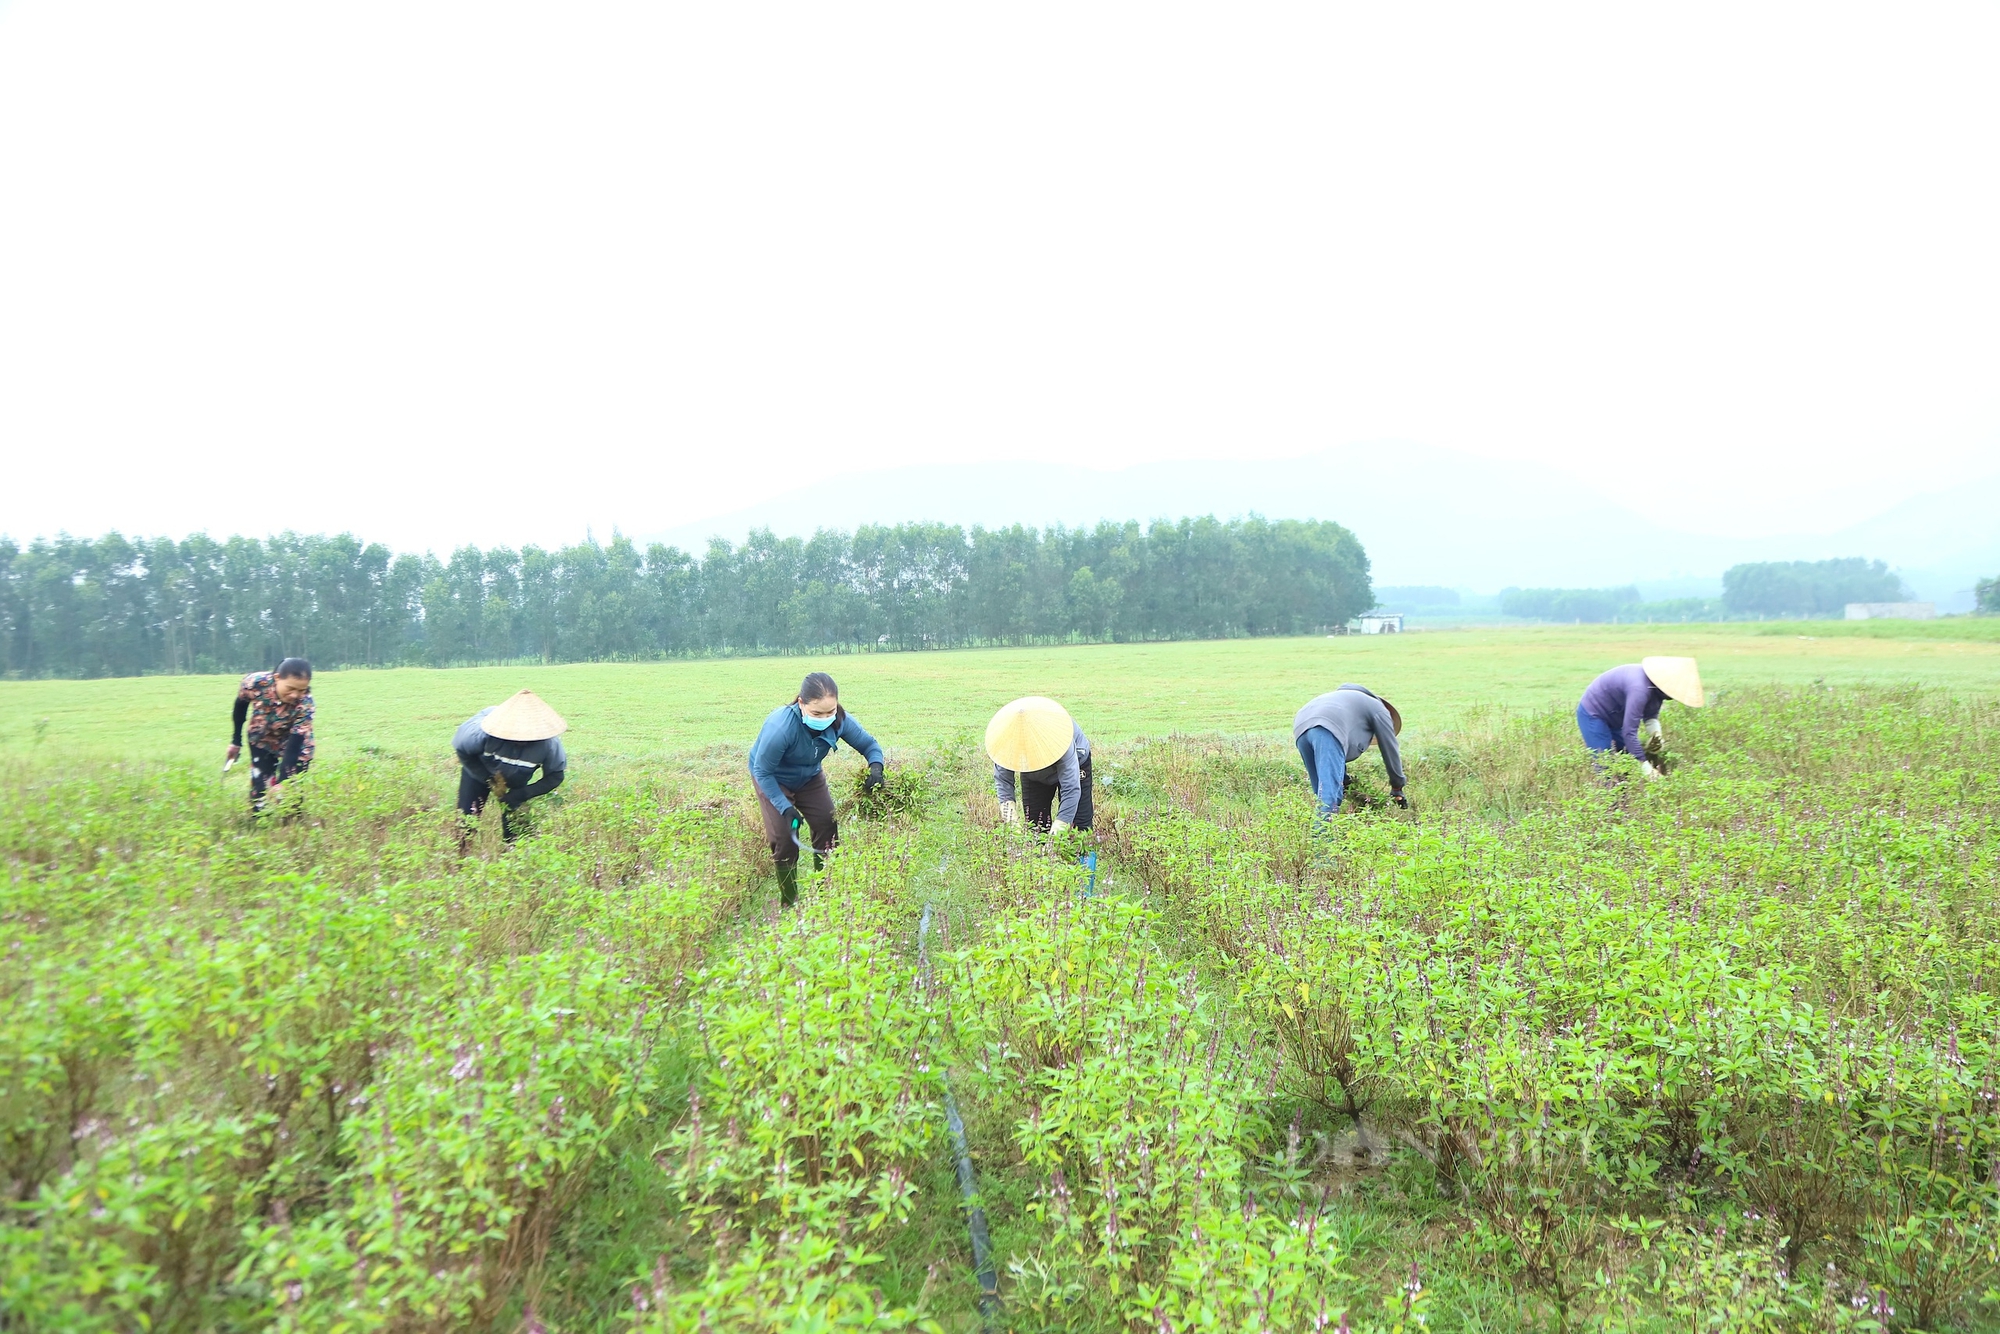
1029 734
1676 676
524 718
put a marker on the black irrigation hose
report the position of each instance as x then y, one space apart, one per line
968 1185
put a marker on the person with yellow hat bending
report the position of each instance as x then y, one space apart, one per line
1336 729
500 748
1621 709
1037 739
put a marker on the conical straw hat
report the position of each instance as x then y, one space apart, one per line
1676 676
1029 734
524 718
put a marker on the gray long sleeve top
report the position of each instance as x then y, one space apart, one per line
1355 716
1064 773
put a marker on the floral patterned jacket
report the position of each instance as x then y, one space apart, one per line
274 722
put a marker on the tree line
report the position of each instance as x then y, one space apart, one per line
113 606
1570 604
1811 588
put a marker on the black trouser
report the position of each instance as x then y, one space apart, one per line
1038 800
274 766
473 790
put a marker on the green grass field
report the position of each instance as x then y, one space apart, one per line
1554 1050
914 700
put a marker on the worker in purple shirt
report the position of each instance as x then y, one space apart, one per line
1621 710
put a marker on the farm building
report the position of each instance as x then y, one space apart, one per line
1892 611
1382 623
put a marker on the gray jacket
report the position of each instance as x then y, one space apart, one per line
1064 773
1355 717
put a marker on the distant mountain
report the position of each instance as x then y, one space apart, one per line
1426 516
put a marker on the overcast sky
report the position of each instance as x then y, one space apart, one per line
495 273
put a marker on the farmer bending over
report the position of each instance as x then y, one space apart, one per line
279 708
499 748
1037 739
1332 732
785 762
1621 710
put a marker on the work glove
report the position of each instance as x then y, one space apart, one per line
790 815
873 783
1059 827
498 785
1006 812
1652 770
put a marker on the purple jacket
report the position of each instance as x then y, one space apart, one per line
1623 698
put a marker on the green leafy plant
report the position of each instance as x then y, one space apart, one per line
1716 1052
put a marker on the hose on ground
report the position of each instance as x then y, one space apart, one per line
968 1185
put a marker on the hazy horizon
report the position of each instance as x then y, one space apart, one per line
1479 527
456 274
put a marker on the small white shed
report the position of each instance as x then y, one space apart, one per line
1892 611
1382 623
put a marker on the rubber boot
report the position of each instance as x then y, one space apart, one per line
788 883
819 860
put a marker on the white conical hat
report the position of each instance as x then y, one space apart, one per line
1029 734
1678 677
524 718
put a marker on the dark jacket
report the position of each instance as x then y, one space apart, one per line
483 756
787 753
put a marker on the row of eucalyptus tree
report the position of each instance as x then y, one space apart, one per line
113 606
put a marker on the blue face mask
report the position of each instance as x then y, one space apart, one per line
818 724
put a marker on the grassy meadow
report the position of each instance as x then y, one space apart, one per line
1120 692
1557 1049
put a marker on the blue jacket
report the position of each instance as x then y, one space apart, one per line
787 753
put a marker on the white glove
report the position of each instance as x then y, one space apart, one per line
1006 812
1651 727
1058 827
1651 772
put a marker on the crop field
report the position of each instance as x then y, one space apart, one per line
1554 1050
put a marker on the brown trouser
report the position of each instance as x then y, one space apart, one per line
815 802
